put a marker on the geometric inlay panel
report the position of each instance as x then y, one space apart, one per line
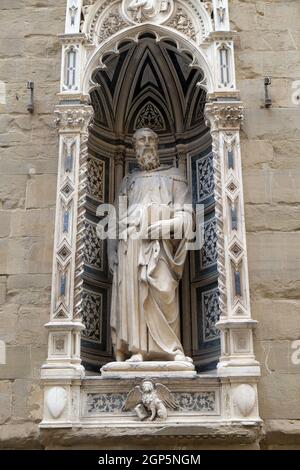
96 178
205 177
93 248
210 307
92 311
209 256
150 116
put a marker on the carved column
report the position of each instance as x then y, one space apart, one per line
235 323
63 372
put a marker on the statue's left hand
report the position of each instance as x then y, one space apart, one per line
165 229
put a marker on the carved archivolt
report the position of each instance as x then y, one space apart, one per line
103 18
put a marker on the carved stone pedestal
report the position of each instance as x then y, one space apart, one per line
148 369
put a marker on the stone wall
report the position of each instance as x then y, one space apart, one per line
29 50
268 43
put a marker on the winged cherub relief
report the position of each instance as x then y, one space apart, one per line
150 401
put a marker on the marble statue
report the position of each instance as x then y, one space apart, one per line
147 267
148 397
147 9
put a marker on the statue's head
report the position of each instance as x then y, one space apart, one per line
145 142
147 386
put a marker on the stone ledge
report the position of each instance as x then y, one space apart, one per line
148 369
273 434
281 434
218 436
20 437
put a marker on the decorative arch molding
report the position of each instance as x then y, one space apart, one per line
223 394
199 58
103 18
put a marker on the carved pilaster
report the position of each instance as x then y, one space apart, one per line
63 367
225 119
79 118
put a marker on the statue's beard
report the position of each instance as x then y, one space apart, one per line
148 159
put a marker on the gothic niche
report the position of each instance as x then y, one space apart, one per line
150 84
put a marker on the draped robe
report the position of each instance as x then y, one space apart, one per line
145 313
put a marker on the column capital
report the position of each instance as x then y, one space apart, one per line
224 115
73 117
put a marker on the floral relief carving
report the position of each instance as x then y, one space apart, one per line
183 23
93 251
199 402
112 23
210 244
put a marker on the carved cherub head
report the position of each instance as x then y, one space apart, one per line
145 142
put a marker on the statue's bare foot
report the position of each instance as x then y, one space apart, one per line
136 358
183 358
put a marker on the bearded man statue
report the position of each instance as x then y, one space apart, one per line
147 264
